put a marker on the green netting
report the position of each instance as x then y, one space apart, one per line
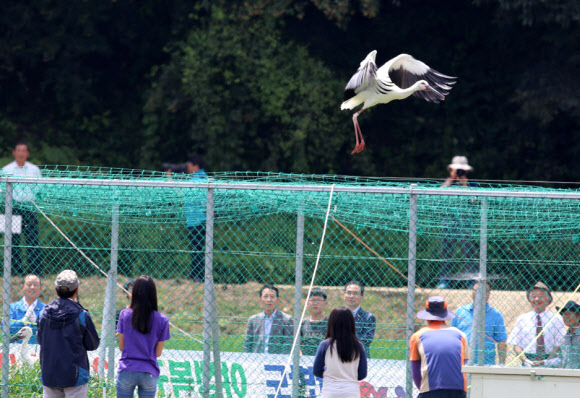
267 228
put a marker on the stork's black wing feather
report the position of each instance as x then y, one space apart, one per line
438 81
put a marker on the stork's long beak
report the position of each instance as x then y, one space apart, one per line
440 96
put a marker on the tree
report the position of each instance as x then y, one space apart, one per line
246 98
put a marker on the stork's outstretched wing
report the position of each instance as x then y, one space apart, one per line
404 71
364 76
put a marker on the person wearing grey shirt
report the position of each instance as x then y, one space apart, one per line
567 355
313 329
270 331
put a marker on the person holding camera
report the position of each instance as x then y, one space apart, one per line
457 223
458 170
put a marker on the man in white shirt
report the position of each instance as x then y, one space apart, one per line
23 196
539 322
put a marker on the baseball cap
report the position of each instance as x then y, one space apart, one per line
67 278
570 306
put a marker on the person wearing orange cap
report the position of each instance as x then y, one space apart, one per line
437 353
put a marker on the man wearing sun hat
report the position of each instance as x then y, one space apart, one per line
65 333
567 355
538 332
457 223
437 353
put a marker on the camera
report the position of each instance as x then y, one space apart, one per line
461 172
174 167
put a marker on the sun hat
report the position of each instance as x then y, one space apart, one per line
541 286
570 306
459 163
67 278
435 310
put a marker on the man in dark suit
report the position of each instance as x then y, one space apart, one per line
271 331
365 321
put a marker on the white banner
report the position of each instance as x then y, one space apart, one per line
247 375
16 224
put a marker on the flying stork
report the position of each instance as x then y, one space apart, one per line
24 334
397 79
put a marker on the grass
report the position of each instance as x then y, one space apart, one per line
380 349
25 382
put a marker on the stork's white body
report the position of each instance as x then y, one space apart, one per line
25 334
398 79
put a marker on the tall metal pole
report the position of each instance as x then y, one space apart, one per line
107 329
210 329
7 286
298 302
477 343
483 280
113 276
108 326
412 268
209 266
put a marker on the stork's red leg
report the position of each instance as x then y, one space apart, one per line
360 145
356 128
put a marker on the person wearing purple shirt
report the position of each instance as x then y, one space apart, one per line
141 331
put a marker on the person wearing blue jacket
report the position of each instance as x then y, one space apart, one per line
26 312
65 333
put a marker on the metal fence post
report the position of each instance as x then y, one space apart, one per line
412 268
210 330
477 343
7 286
298 302
113 277
483 281
107 328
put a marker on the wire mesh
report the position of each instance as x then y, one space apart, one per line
115 224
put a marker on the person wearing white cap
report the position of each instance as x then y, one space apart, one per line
458 169
65 333
457 223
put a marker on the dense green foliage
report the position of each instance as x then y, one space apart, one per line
258 85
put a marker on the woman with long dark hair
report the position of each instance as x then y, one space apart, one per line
341 359
141 331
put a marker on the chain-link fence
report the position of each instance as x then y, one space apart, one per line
211 244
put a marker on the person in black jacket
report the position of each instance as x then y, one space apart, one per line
65 333
365 321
